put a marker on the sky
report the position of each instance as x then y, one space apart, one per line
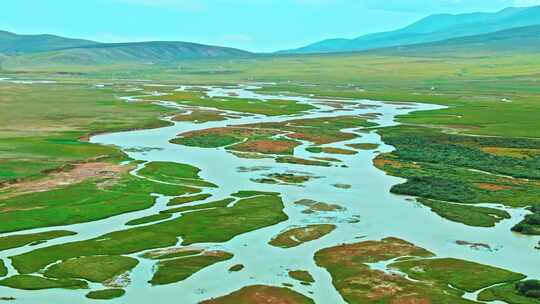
254 25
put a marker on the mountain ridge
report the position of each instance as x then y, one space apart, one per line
432 28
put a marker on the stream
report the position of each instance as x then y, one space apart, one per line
380 213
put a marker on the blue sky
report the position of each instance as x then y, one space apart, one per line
256 25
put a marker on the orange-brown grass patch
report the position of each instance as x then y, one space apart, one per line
383 161
492 187
511 152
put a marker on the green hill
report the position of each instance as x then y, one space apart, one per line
431 29
139 52
13 44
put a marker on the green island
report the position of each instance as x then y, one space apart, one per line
188 199
303 276
31 282
236 268
297 236
106 294
435 280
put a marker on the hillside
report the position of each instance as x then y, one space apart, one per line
14 44
431 29
141 52
522 39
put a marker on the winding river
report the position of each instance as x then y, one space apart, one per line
380 213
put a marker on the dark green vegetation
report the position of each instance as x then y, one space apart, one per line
468 215
174 173
269 107
525 292
357 283
106 294
29 282
432 28
98 269
298 236
261 294
445 167
246 215
179 269
531 222
188 199
302 276
530 288
236 268
15 241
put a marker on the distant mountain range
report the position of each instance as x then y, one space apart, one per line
524 39
510 29
50 49
431 29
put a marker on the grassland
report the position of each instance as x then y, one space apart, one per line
271 107
14 241
83 202
463 275
246 215
40 126
98 269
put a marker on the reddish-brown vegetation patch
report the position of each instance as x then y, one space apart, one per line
492 187
267 146
260 294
